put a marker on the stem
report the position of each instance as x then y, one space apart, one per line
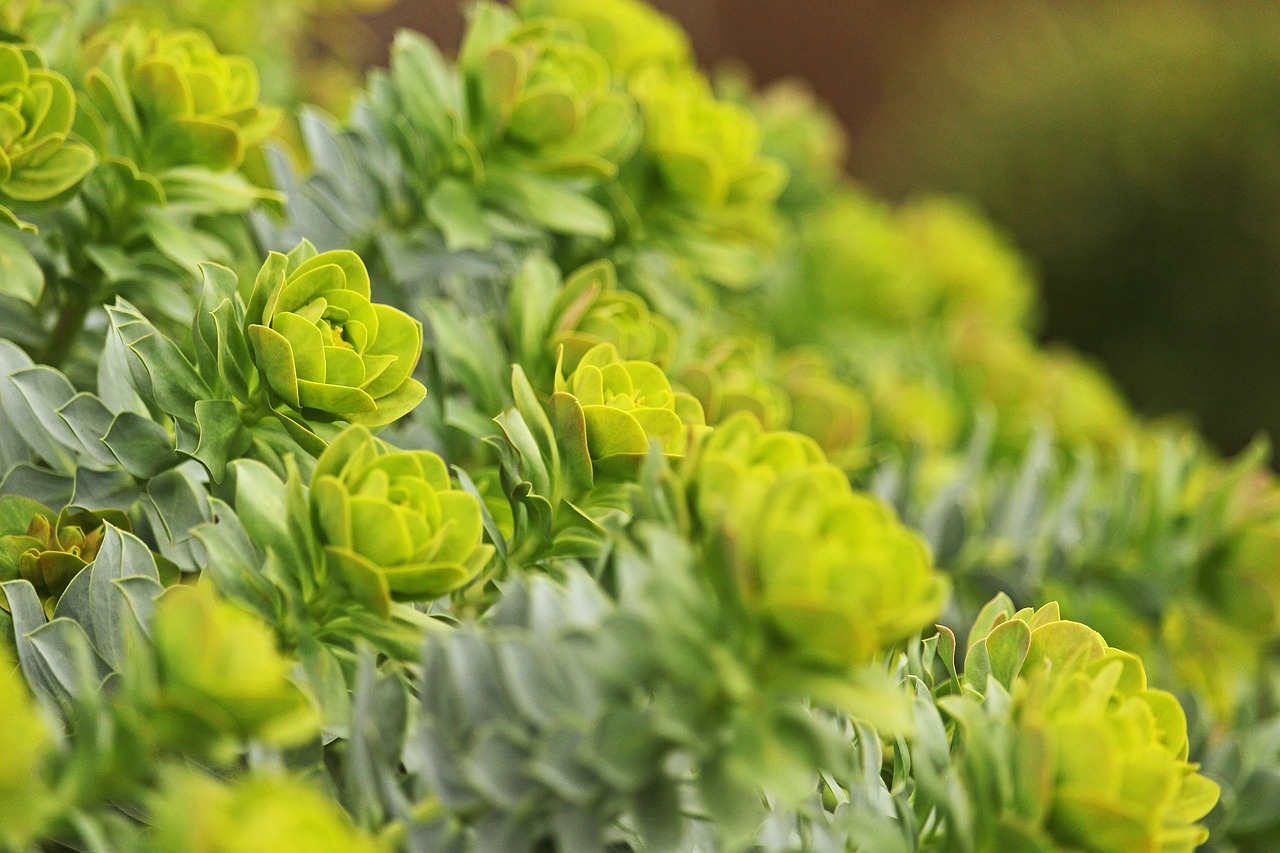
65 331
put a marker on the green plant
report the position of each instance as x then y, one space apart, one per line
488 486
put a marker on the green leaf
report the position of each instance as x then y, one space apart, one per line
455 207
223 436
547 203
20 275
1007 646
141 445
52 179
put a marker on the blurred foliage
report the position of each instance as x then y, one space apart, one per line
559 454
1131 150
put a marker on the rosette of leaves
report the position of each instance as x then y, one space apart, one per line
323 348
392 523
49 549
834 413
279 360
910 409
592 311
608 410
40 166
1029 387
832 573
737 464
701 188
193 812
510 142
973 271
630 35
552 318
159 104
1100 760
220 680
798 131
733 374
543 99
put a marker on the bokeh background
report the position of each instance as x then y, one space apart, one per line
1131 148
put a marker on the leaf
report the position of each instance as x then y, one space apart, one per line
31 399
548 203
141 445
56 657
1007 646
223 436
260 505
455 207
20 275
159 369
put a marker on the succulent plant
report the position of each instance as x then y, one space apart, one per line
49 549
220 679
392 523
607 411
323 348
542 99
1106 765
832 412
39 164
739 462
169 100
630 35
734 374
832 572
591 310
710 192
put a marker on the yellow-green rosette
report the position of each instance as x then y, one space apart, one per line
834 576
48 549
707 151
590 310
544 99
220 679
39 164
392 522
835 572
732 374
630 35
194 813
704 191
739 462
832 412
165 100
1112 774
323 348
608 410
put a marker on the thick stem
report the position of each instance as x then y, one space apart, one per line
66 331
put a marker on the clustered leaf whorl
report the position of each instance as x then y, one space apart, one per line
392 522
323 347
39 164
1105 757
169 100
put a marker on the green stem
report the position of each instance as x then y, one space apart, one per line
66 331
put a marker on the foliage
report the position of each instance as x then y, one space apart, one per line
542 469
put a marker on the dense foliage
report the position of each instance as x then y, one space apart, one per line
567 458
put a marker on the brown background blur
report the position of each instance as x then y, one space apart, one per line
1130 147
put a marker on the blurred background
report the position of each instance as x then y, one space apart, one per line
1131 148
